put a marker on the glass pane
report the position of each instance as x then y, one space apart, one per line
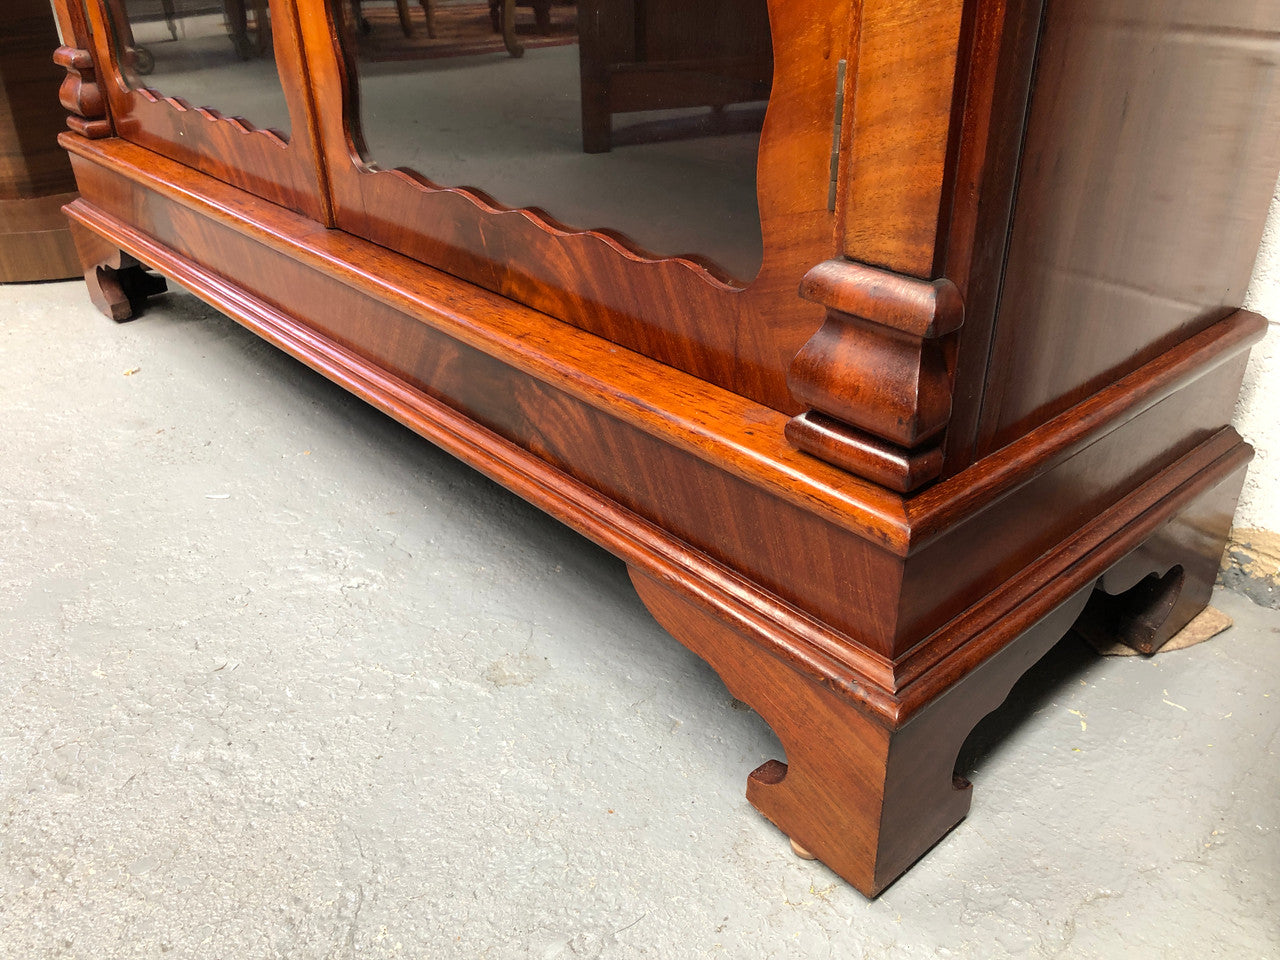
210 53
638 116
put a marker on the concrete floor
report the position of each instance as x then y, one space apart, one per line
279 679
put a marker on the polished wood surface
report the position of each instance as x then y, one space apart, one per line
81 93
529 381
35 177
867 786
875 588
719 473
118 283
981 195
900 109
893 325
1151 140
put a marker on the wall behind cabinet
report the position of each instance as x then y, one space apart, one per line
1253 558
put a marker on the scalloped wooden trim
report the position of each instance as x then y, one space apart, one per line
282 169
214 115
740 334
623 246
702 268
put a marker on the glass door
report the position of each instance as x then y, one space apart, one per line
217 85
654 171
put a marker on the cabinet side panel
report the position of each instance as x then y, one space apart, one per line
1152 147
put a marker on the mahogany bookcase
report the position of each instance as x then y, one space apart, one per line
979 385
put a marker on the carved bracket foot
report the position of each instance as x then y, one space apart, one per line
1155 591
120 286
862 794
119 292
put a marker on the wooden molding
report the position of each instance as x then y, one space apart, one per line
926 309
870 669
890 689
983 485
860 453
81 95
875 374
760 456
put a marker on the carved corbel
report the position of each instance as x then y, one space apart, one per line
81 95
875 374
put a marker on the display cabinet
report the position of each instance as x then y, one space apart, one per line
882 340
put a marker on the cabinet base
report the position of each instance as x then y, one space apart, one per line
868 797
871 722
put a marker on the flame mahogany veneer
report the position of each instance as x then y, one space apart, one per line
873 485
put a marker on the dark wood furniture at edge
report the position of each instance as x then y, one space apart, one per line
35 177
837 498
665 54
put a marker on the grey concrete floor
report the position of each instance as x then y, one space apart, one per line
279 679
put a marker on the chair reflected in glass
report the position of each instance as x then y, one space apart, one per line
248 25
459 28
502 16
238 26
402 12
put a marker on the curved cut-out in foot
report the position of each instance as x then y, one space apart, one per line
864 794
120 291
107 293
1142 616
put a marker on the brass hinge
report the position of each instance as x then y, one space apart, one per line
835 136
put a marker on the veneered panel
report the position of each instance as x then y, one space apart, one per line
1152 148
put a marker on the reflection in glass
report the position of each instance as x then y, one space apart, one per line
638 116
210 53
